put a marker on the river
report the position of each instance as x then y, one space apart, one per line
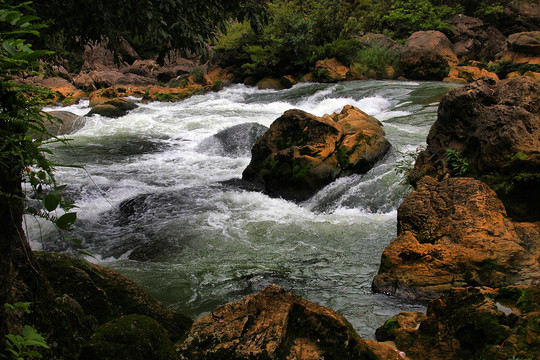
152 203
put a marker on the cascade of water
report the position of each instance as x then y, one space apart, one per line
163 216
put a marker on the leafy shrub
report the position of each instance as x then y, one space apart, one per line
375 60
456 162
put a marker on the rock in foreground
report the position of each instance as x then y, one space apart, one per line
476 323
456 233
274 324
301 153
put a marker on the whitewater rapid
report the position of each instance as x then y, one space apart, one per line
155 207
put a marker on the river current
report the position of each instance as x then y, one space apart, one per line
152 202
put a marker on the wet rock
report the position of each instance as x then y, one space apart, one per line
113 108
493 128
235 141
274 324
403 320
130 337
477 323
64 123
427 55
105 294
301 153
456 233
330 70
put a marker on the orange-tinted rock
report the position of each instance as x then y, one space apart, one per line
477 323
466 74
330 70
456 233
301 153
494 127
274 324
63 89
427 55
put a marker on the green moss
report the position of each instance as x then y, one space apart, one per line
131 337
300 172
342 157
388 330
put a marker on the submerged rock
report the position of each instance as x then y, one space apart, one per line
301 153
476 323
456 233
274 324
235 141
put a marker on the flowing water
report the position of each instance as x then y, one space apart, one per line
153 204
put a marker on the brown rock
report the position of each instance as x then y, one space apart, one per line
84 82
301 153
270 84
330 70
141 67
464 74
113 108
456 233
403 320
274 324
525 42
520 16
494 127
477 323
427 55
472 39
63 89
64 123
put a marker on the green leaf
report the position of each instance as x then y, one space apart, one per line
50 202
87 253
65 221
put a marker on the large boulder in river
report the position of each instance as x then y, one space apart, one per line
301 153
64 122
490 130
427 55
456 233
523 48
476 323
274 324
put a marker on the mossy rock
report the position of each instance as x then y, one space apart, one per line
106 294
113 108
131 337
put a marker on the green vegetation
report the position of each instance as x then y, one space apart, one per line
505 67
300 32
457 163
23 346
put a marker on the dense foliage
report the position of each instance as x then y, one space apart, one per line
150 25
303 31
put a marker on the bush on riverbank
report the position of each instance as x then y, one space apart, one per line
301 32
